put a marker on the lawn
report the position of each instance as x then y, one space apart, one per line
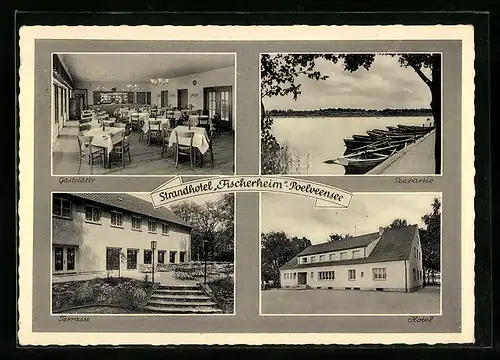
277 301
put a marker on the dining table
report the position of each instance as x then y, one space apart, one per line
200 138
145 126
196 120
105 139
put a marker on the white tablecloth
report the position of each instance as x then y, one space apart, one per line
176 114
200 138
145 127
105 139
142 115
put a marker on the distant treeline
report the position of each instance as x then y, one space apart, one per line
340 112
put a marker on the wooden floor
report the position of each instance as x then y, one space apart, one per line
145 160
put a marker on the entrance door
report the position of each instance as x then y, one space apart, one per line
64 259
217 101
113 258
302 278
182 98
164 98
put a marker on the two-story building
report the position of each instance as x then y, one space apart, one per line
100 232
387 260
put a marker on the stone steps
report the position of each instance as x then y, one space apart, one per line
182 303
181 299
185 310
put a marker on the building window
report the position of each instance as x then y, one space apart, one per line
61 207
322 258
136 223
326 275
182 256
414 274
332 256
151 226
116 218
343 255
304 260
131 259
379 274
92 213
161 256
352 274
164 229
356 254
312 275
294 276
172 257
147 256
421 274
313 258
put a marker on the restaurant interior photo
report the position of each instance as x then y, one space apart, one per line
143 113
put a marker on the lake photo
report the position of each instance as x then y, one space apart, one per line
321 138
351 114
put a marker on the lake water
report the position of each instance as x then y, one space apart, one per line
314 140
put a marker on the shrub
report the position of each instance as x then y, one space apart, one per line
83 295
140 296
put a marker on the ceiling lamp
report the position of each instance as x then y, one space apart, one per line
159 81
134 87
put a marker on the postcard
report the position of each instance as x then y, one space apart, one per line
226 185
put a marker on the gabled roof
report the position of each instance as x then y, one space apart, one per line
394 245
344 244
133 204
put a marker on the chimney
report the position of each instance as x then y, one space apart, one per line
380 231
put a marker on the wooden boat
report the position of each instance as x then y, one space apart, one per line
392 128
353 144
361 137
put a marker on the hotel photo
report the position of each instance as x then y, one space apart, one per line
380 256
113 253
143 113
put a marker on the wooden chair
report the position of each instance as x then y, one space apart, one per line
85 120
134 120
166 131
154 133
211 136
83 128
121 149
87 151
186 150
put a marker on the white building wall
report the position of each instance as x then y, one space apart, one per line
91 254
395 276
415 263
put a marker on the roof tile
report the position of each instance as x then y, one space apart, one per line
133 204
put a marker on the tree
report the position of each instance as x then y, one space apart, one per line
397 223
278 78
335 237
277 249
212 221
430 237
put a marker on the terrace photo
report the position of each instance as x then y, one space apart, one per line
351 113
379 256
113 253
143 113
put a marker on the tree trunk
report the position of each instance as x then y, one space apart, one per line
436 108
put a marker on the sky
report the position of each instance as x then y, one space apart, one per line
385 85
296 216
196 199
